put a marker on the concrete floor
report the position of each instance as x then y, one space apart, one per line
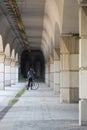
41 110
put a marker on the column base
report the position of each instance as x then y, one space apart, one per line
69 95
51 84
83 112
56 89
52 80
48 83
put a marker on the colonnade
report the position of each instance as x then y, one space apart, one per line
66 62
66 73
69 71
8 71
63 69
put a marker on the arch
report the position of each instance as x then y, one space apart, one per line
32 59
7 50
45 51
39 64
48 27
60 5
44 43
45 37
13 54
26 62
48 19
44 46
1 44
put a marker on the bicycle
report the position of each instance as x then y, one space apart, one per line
34 84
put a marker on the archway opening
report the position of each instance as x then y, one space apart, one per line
33 59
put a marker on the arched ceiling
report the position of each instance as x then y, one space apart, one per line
38 22
32 13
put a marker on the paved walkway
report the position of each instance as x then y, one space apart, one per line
9 93
41 110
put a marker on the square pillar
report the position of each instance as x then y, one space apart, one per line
7 71
2 71
17 71
13 73
56 71
83 83
51 72
83 66
69 69
47 72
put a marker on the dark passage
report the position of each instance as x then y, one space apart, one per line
33 59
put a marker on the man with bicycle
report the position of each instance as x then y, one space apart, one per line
31 73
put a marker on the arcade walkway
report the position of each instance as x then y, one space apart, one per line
41 110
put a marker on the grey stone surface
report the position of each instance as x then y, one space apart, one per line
9 93
41 110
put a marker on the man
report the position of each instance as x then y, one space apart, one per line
30 78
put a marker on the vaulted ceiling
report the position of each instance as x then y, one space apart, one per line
38 24
26 20
32 13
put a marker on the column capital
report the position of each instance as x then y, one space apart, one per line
51 60
7 60
69 45
13 62
2 57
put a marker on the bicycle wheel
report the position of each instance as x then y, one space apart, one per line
35 85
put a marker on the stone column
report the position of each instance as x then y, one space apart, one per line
13 72
51 72
47 73
83 66
7 71
2 70
69 66
56 70
17 71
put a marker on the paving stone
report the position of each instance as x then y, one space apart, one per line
41 110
